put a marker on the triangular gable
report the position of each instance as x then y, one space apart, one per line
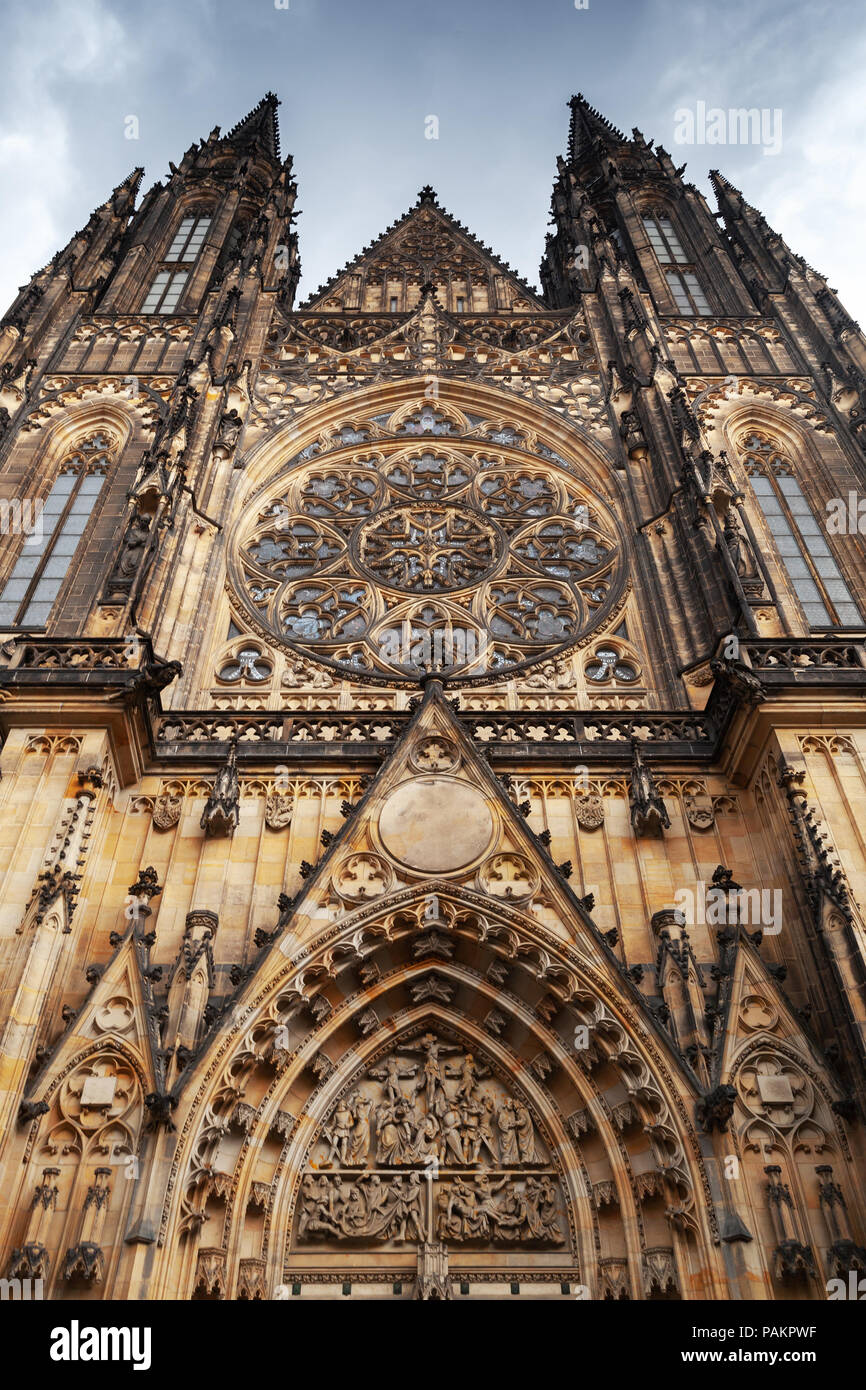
755 1005
426 245
115 1013
437 821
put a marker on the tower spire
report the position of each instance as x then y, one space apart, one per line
260 125
588 125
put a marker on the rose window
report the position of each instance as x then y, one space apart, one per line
433 556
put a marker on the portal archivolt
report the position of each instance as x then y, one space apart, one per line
437 1071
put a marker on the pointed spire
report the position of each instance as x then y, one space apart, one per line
729 198
588 125
260 124
124 195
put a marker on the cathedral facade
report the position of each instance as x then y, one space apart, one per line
434 751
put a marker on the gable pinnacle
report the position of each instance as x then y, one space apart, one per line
428 196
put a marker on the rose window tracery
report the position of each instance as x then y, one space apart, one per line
435 556
428 549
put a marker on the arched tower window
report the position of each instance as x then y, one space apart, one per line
169 281
816 579
683 283
54 536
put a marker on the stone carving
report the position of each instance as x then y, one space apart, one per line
361 877
115 1015
775 1089
166 811
508 876
221 814
135 542
648 812
589 811
279 809
475 1167
526 1211
742 556
699 811
757 1012
435 754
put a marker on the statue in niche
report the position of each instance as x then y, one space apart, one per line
738 547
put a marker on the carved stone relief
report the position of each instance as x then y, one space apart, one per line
430 1145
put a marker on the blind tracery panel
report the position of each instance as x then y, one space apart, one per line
427 557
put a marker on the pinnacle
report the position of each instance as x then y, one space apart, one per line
586 126
259 124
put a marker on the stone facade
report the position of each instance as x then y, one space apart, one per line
434 751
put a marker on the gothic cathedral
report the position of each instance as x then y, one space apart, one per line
434 751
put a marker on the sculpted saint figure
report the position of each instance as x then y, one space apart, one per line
315 1208
468 1073
360 1142
487 1208
464 1204
407 1217
525 1133
340 1133
452 1142
507 1123
380 1203
485 1136
395 1127
426 1143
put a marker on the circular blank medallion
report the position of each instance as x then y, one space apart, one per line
436 824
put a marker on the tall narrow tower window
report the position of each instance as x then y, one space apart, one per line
164 293
46 554
664 240
168 284
188 239
816 579
688 295
683 283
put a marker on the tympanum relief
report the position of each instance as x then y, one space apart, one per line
429 1145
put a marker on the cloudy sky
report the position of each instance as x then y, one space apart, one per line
358 82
